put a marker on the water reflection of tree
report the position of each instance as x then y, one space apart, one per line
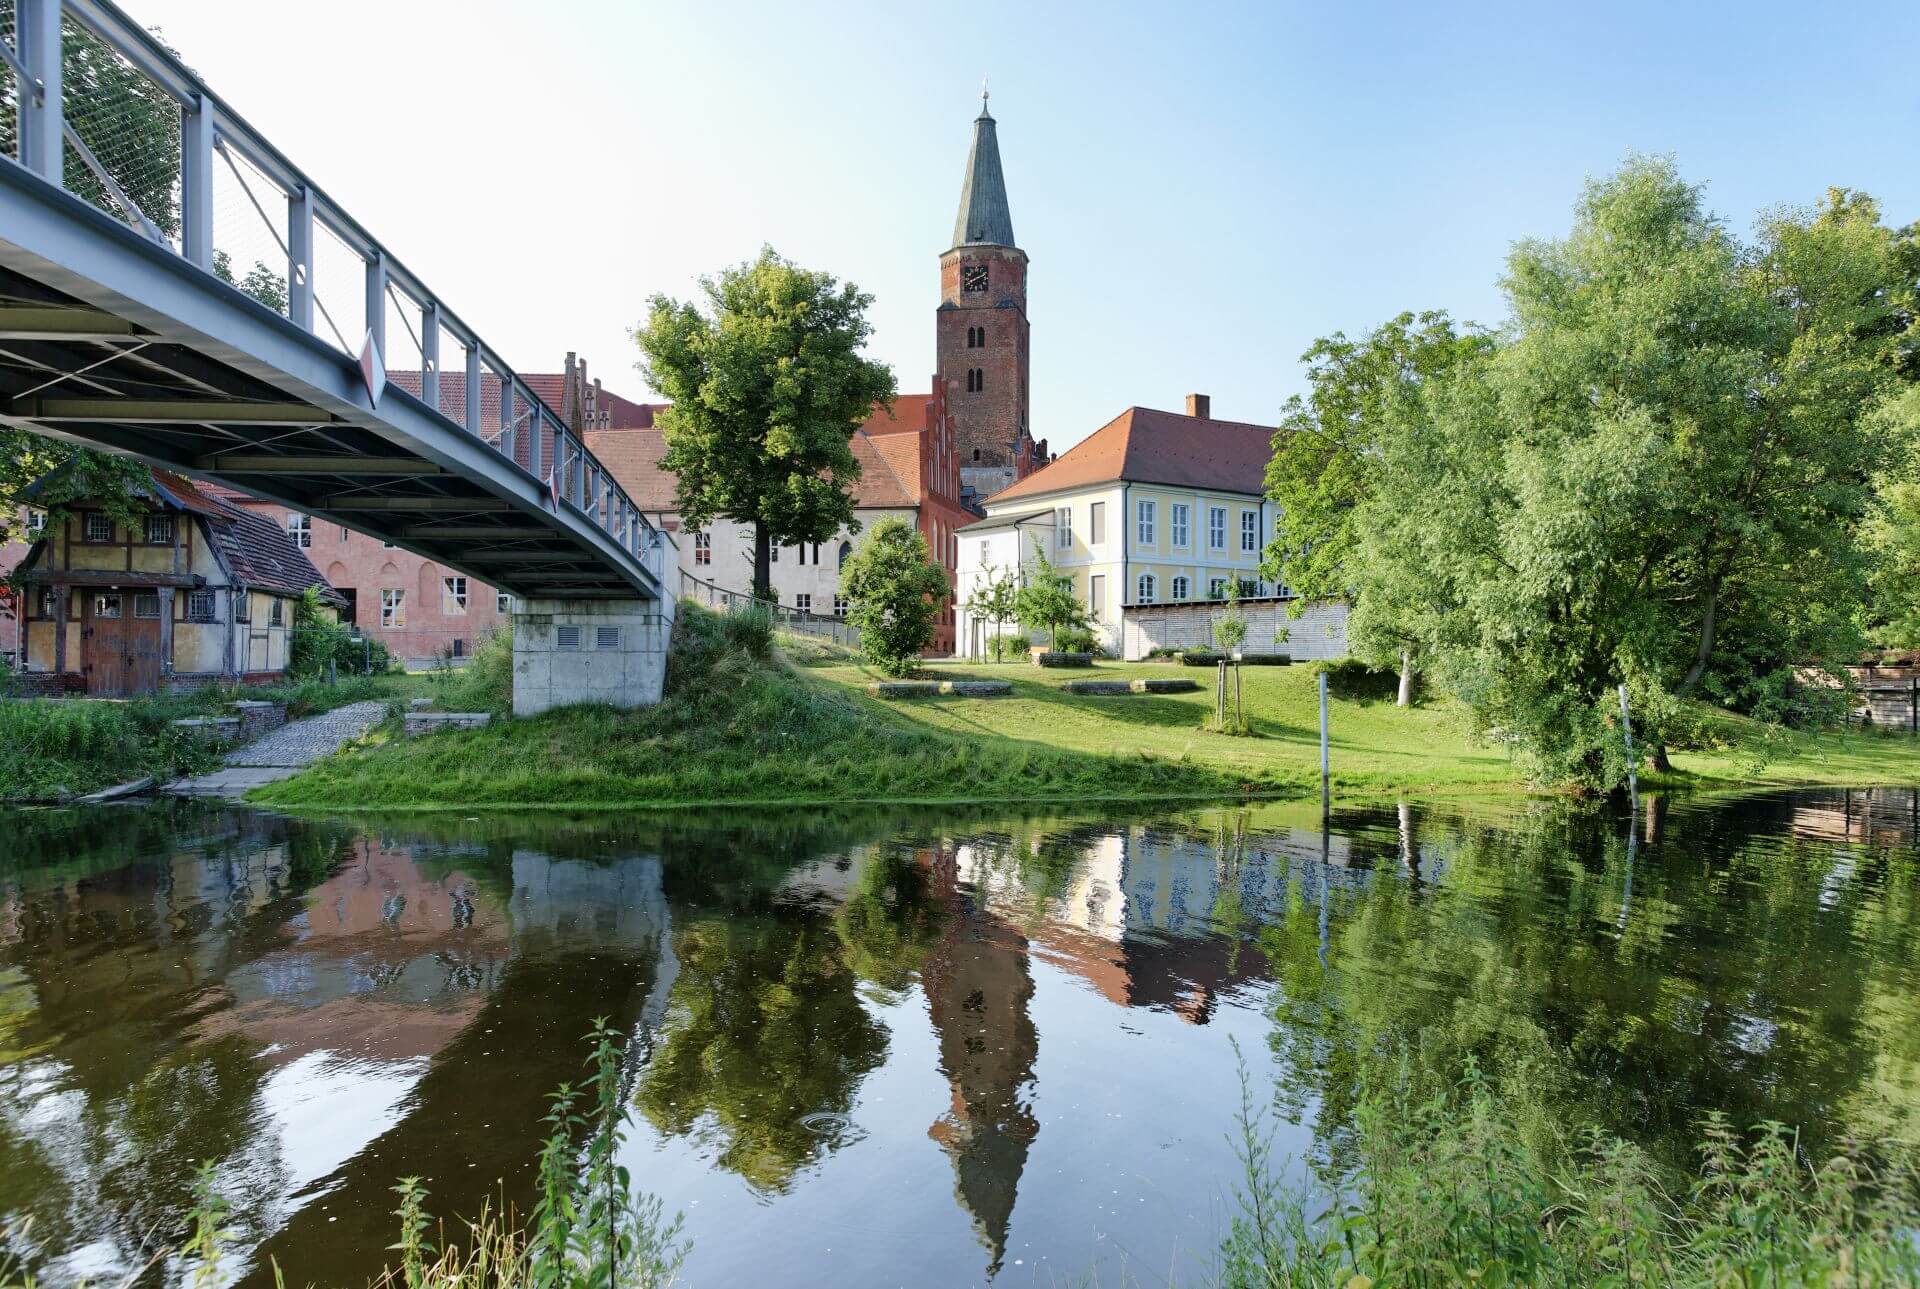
765 1025
1743 977
890 918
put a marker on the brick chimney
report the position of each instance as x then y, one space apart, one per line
1201 406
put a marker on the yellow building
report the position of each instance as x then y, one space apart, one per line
193 591
1152 511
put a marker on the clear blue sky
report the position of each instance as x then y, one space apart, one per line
1201 192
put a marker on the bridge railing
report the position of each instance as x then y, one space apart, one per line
791 617
97 105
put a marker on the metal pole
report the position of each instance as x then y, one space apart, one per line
1326 776
1913 705
41 105
300 257
196 182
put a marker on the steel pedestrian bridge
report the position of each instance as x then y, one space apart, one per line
174 289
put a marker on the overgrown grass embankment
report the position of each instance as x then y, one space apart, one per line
738 724
50 748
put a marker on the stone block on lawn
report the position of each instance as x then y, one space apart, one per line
417 723
1056 658
1166 686
904 689
219 730
1099 687
257 716
977 688
1198 657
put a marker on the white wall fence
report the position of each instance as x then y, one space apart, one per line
1320 632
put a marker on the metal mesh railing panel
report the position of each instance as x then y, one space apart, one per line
123 152
9 86
248 250
403 351
339 290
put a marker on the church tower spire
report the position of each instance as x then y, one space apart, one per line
980 329
984 219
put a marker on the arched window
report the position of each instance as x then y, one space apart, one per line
1146 589
1179 588
976 454
976 380
846 553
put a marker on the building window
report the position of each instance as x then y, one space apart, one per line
242 604
43 603
1063 528
801 550
453 597
106 604
393 608
344 533
146 604
276 611
459 647
846 553
159 530
976 380
1096 596
1147 516
773 553
804 603
300 528
200 606
1146 589
502 603
1217 588
1180 588
839 606
703 548
976 337
973 278
1216 528
1097 523
1249 588
36 521
1250 530
1178 523
976 454
566 637
99 528
606 637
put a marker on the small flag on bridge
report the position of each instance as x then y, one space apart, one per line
372 369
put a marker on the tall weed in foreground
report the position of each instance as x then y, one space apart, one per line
1443 1194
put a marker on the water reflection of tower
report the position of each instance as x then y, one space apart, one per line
978 988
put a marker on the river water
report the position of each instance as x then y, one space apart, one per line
906 1048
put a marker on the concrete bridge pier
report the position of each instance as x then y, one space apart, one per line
590 651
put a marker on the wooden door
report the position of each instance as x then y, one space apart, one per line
142 637
103 645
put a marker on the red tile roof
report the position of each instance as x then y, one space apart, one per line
1142 445
634 458
549 387
909 415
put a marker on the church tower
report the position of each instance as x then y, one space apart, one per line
980 328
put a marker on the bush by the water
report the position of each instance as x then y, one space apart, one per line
1442 1192
317 639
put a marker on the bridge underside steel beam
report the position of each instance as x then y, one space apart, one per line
110 341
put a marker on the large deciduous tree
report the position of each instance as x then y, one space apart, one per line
1657 478
767 386
1326 463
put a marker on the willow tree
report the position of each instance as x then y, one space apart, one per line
767 387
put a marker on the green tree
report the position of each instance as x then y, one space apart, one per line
767 387
995 600
894 591
1326 462
1657 479
1230 628
1047 602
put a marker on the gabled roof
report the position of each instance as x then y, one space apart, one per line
1142 445
889 468
984 219
909 416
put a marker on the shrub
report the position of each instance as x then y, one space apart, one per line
486 683
894 590
749 631
317 640
1047 601
1352 679
1075 640
52 745
1008 648
1230 628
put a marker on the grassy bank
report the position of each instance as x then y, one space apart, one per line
737 725
53 747
743 724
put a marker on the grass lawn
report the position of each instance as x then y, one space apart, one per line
741 727
1374 746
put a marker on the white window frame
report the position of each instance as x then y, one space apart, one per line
93 518
166 521
200 607
393 608
1145 515
702 547
1180 588
1216 528
803 601
453 591
1217 588
300 529
1249 531
36 521
1177 523
1063 528
839 606
1143 593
